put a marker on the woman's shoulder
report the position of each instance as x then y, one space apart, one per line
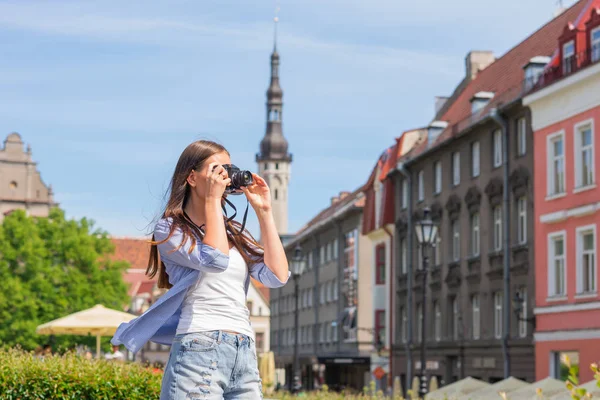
163 226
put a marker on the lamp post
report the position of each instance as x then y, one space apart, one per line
426 231
297 263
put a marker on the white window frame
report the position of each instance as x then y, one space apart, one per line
437 251
322 255
595 44
475 159
421 185
403 256
476 314
335 249
437 171
567 68
456 168
497 148
404 194
552 159
455 319
322 294
497 223
456 240
552 263
522 220
579 157
475 234
498 314
521 136
593 285
523 316
437 327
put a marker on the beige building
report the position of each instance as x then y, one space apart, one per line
21 186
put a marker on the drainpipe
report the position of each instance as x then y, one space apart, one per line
409 277
500 120
391 314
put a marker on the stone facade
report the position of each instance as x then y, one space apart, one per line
21 186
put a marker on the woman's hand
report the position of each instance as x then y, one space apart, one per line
258 194
216 181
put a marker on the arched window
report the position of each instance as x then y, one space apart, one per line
276 194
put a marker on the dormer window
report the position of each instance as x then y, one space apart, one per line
568 61
595 44
480 100
534 69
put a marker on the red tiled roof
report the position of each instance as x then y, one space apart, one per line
507 71
135 252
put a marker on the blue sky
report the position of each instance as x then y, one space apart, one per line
108 93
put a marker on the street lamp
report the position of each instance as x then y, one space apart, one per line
518 302
426 231
297 263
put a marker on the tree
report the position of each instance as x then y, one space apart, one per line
51 267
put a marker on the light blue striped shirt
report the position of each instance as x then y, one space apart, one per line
159 323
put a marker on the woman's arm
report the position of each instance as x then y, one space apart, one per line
275 257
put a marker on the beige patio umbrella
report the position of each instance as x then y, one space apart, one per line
98 321
266 367
549 387
507 385
457 390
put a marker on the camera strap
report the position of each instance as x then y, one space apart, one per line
229 219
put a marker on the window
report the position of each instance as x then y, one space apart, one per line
404 324
276 194
310 260
249 305
335 249
475 162
568 57
455 240
404 193
498 315
276 165
335 289
266 165
329 289
560 367
497 228
334 332
437 173
476 316
521 136
322 294
586 260
328 252
311 293
380 325
437 251
322 255
595 40
420 186
523 315
456 328
419 322
456 168
522 220
475 247
259 341
380 264
556 164
322 333
584 155
497 147
437 328
403 256
556 267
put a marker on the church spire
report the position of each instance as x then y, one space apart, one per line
274 146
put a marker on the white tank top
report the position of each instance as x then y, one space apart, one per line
218 301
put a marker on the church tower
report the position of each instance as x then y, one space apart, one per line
273 159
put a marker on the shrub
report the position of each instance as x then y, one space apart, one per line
24 376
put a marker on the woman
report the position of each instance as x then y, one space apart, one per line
207 264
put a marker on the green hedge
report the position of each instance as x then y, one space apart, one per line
24 376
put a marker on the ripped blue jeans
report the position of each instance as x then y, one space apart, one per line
211 365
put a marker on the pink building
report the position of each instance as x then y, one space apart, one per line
565 106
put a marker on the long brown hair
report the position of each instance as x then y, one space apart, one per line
192 158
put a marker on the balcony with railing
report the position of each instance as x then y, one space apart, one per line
569 66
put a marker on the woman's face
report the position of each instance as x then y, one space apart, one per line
197 179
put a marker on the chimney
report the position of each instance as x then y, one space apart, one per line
477 61
439 103
434 129
334 200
